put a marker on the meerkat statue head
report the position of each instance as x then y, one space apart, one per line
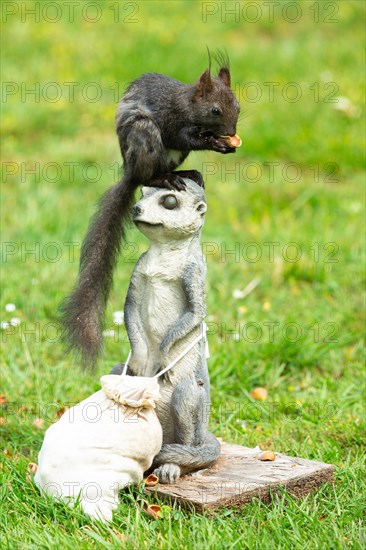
163 215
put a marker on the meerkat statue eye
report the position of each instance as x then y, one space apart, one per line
170 202
215 111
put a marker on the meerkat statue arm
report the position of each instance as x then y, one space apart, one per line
193 283
133 321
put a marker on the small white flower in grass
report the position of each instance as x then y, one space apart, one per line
345 106
326 76
10 307
15 321
355 207
118 317
342 103
109 333
4 325
240 294
242 423
118 314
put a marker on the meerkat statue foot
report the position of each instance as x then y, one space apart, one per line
168 473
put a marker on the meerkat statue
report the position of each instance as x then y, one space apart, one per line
164 313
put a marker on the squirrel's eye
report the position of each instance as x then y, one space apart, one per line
170 202
215 111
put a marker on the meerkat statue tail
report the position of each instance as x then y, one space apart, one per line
190 457
83 310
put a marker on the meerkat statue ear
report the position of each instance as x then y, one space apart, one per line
224 75
201 207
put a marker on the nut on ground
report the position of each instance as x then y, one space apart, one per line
268 455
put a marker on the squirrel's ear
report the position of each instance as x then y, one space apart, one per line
204 85
224 75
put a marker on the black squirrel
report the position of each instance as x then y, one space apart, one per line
159 121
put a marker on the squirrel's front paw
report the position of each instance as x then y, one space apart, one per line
193 175
169 181
168 473
219 145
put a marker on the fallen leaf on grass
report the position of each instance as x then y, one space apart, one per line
38 422
259 393
152 509
8 453
151 480
3 399
2 421
120 536
266 445
32 468
61 411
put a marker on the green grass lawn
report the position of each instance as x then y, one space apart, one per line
287 209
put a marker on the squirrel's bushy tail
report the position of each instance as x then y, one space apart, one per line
83 311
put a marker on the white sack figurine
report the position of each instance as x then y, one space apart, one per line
101 445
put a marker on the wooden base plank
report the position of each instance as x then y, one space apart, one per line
239 476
